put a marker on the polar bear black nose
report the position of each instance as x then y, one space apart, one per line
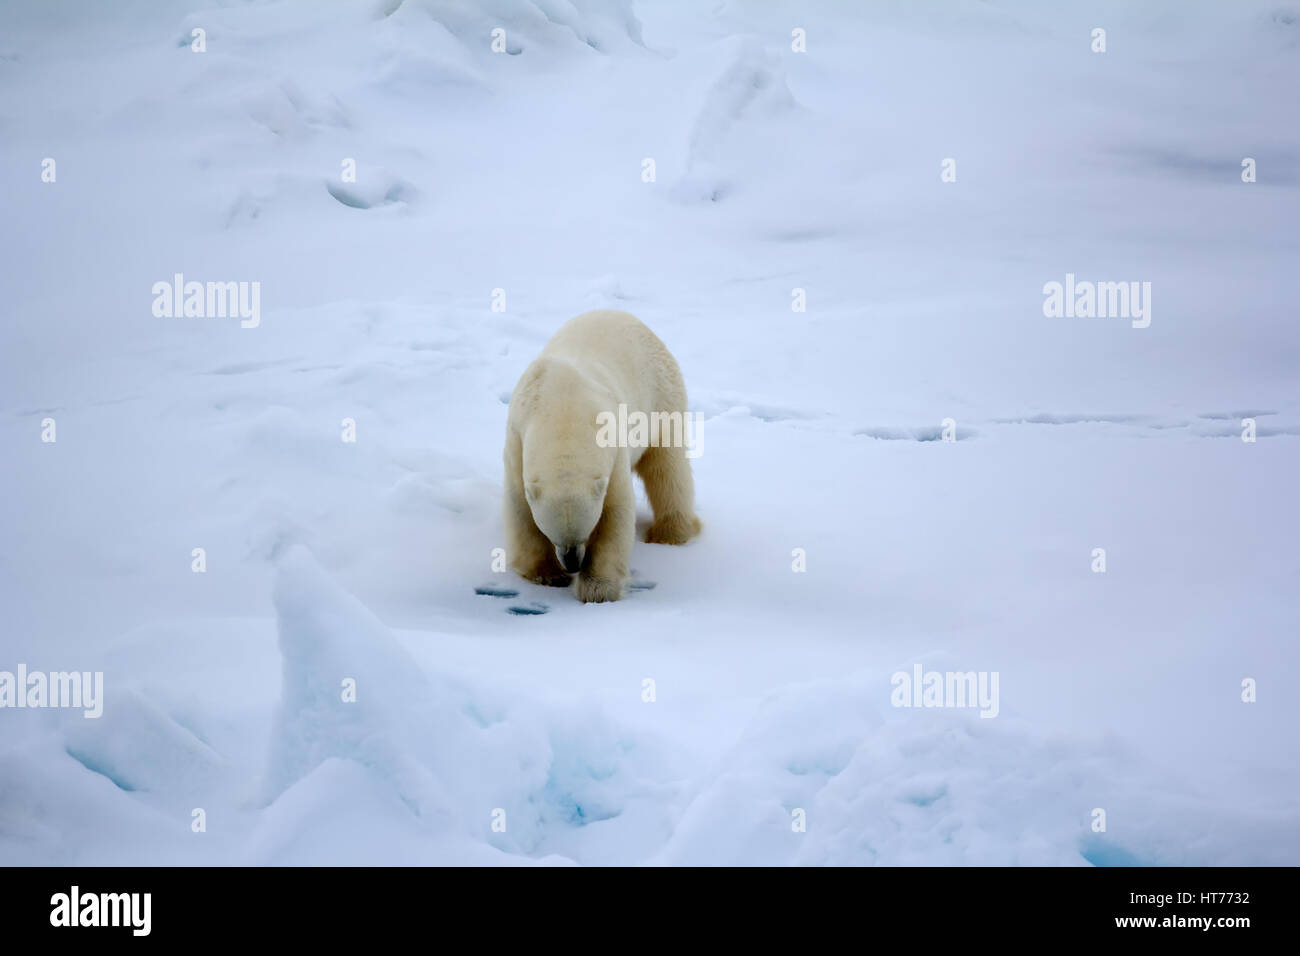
571 558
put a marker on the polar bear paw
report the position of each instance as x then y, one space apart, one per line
546 571
674 528
552 580
597 590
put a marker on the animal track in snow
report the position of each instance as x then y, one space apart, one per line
1233 416
537 607
917 433
1048 419
491 590
1206 425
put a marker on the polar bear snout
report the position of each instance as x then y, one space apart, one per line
571 557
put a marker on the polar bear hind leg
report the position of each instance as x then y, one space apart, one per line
666 473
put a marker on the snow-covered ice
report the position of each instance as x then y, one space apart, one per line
483 736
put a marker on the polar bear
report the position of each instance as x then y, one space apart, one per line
569 502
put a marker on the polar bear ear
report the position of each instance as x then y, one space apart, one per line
601 485
533 491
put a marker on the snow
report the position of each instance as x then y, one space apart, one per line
329 561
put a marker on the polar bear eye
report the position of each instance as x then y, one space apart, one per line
532 492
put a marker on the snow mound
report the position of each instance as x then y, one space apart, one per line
550 28
349 691
456 758
373 187
939 788
749 88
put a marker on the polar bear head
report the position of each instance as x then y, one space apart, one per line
566 474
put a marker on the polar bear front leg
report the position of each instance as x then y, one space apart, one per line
609 550
529 552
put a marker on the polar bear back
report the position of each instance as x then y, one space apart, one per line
619 353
